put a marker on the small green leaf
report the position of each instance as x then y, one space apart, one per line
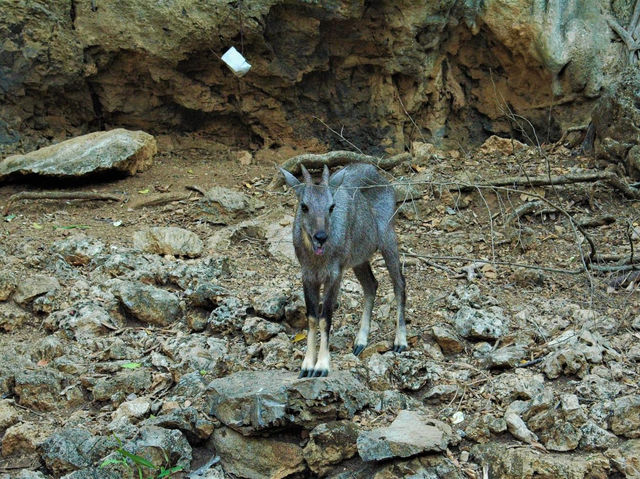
203 372
168 472
144 192
141 461
106 462
131 365
8 218
37 226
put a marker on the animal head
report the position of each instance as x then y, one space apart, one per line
316 205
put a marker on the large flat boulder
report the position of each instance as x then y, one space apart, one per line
118 151
254 401
409 434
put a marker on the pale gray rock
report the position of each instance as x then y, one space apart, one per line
147 303
193 424
33 286
84 320
116 387
407 371
168 241
596 438
74 448
255 401
480 323
78 249
260 330
118 150
625 416
409 434
507 357
519 462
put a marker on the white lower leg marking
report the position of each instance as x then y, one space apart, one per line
363 333
323 354
310 356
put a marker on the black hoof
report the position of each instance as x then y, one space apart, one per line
398 348
320 373
358 348
305 373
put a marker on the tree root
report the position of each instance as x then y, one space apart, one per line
609 177
59 195
335 158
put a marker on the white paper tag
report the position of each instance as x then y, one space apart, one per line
234 59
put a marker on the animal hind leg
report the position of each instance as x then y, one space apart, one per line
369 286
392 260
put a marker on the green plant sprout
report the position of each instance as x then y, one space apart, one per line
160 472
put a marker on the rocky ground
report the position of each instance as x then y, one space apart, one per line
170 332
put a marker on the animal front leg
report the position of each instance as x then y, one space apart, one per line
322 366
311 298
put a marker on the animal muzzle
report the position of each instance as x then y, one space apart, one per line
318 242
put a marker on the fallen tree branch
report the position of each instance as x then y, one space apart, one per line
609 177
500 263
522 210
335 158
158 200
59 195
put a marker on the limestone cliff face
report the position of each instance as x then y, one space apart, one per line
387 71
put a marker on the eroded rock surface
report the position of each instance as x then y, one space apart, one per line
253 401
118 150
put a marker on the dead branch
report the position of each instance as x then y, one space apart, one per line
596 221
197 189
158 200
335 158
499 263
59 195
609 177
522 210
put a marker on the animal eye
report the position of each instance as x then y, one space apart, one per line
331 208
304 208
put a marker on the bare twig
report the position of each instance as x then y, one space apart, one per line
59 195
339 135
336 158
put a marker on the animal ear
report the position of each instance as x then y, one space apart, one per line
325 176
336 179
306 175
292 181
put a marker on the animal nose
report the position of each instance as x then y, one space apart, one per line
320 237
